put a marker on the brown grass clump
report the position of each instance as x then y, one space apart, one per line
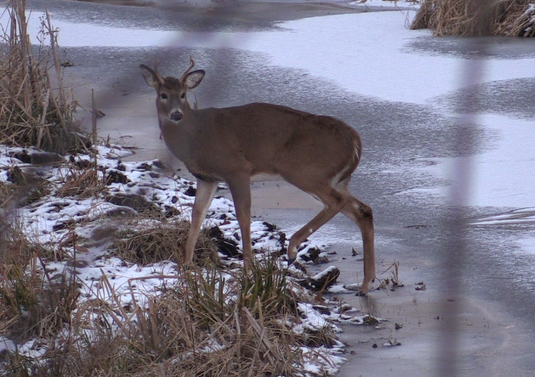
34 108
21 189
206 324
477 17
162 243
83 182
32 302
515 18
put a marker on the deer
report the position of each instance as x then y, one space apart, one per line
315 153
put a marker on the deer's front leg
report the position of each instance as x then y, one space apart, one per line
241 195
203 198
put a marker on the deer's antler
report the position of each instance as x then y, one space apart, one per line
191 64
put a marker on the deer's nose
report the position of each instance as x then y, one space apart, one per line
176 116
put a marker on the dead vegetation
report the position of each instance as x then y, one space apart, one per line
470 18
82 181
211 320
33 303
203 321
162 243
20 189
207 323
35 108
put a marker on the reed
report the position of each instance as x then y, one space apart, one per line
469 18
35 106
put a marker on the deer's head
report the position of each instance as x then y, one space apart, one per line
171 100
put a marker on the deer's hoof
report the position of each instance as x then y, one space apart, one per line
186 267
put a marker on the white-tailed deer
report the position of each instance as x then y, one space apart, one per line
315 153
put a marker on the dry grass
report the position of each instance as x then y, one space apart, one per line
202 322
35 109
83 182
32 302
22 188
515 18
206 324
162 243
477 17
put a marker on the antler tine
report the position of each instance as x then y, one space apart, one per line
191 64
156 64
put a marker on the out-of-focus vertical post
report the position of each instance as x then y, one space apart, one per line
456 224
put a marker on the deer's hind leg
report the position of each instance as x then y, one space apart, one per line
333 201
362 215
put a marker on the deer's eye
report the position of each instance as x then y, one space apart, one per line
183 95
163 96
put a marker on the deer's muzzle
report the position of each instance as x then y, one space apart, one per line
176 116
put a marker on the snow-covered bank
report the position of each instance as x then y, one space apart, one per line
69 220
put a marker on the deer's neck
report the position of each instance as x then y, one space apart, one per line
178 135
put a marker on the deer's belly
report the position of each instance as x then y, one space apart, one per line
262 177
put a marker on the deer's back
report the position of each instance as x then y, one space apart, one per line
265 138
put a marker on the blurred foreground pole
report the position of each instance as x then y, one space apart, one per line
449 346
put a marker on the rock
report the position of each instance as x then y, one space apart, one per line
224 245
324 279
309 255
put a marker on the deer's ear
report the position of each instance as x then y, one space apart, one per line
193 79
152 78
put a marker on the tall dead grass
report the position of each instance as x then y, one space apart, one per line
201 322
33 303
209 323
35 109
477 17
